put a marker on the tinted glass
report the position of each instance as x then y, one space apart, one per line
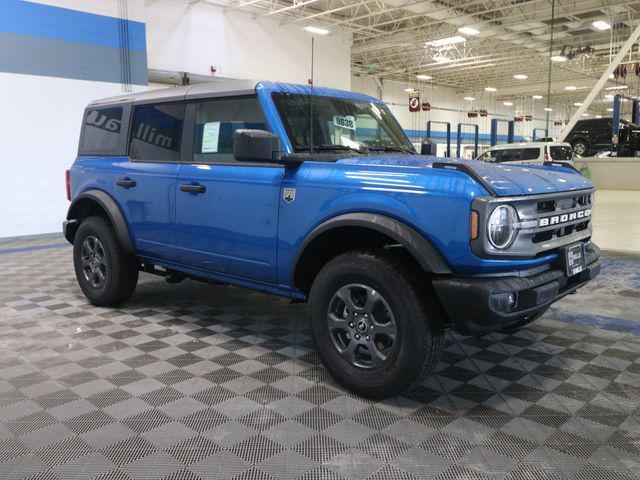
339 124
511 155
102 130
216 121
156 132
561 153
530 153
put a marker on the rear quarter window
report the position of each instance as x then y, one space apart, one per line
101 131
561 153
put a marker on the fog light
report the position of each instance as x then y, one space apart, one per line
504 302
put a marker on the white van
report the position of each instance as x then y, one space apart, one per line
529 153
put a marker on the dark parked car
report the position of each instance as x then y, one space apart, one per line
590 136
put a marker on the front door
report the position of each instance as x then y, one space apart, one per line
145 185
227 211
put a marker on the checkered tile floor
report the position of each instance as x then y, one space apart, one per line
192 381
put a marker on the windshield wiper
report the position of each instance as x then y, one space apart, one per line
325 148
393 149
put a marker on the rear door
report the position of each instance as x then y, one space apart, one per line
146 184
532 156
601 131
227 211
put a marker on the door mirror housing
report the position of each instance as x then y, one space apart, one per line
256 146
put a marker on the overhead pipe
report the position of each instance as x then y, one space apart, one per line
168 77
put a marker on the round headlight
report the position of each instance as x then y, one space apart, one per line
501 227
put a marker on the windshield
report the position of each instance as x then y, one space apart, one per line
339 124
563 152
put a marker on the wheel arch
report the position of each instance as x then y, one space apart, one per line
360 230
94 202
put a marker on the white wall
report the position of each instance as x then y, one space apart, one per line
193 38
39 130
40 125
447 105
41 117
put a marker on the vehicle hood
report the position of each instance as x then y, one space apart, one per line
503 179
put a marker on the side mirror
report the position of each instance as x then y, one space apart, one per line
428 148
256 146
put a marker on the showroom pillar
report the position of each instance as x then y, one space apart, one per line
600 83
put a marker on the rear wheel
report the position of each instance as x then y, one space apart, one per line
106 273
580 147
376 327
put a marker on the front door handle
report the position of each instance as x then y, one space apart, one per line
193 188
126 182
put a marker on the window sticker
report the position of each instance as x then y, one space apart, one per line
346 121
210 137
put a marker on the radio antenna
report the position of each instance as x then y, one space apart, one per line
311 102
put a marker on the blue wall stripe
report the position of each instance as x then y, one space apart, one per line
38 20
34 248
56 58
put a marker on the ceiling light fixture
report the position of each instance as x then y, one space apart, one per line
441 59
468 30
316 30
585 114
490 89
601 25
598 116
508 104
609 109
409 90
617 87
443 42
571 88
423 77
559 58
520 76
577 104
547 109
470 99
537 97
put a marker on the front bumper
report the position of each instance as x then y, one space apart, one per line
470 301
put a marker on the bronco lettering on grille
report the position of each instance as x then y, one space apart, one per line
563 218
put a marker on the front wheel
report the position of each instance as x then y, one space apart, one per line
106 273
378 330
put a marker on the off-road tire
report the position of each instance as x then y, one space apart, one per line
121 268
419 321
580 147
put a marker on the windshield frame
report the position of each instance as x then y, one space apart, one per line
399 142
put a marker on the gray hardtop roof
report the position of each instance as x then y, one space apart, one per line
217 88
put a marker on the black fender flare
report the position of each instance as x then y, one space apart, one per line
112 210
416 244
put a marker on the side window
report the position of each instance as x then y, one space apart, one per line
101 130
156 132
530 153
511 155
490 156
216 120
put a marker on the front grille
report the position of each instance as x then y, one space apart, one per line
546 222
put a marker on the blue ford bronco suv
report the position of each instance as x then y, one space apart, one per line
318 195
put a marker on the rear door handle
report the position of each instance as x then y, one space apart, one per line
126 182
193 188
